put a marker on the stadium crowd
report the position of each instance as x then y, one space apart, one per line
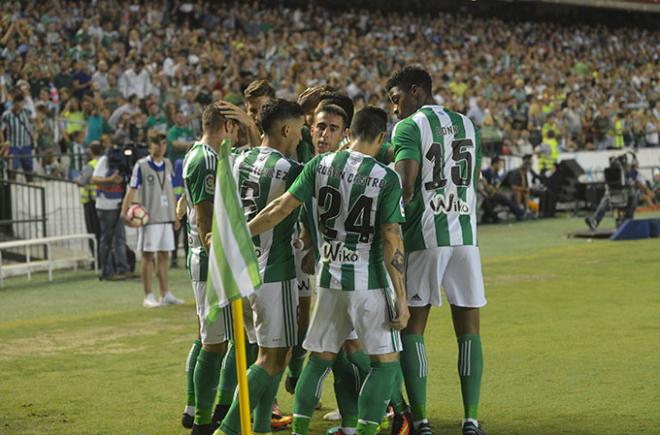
109 71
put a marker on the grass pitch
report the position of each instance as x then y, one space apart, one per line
571 342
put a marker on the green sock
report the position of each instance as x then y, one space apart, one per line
207 373
376 391
347 387
366 428
397 401
470 369
308 392
258 382
228 379
362 362
415 372
191 362
264 409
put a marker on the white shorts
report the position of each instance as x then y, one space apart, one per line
275 314
215 332
156 238
248 322
337 313
456 268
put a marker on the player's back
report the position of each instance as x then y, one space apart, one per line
199 171
353 194
262 174
447 146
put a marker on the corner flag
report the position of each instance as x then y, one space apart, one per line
233 267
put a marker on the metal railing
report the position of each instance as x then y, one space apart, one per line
22 216
60 212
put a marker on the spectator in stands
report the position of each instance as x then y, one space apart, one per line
179 138
110 187
493 196
135 81
131 108
16 134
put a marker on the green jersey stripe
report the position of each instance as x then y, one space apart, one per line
466 226
352 239
441 224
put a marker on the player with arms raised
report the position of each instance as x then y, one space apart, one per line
359 212
438 156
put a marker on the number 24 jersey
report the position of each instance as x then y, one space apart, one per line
354 196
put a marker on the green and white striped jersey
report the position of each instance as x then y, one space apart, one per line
447 147
354 196
263 174
199 170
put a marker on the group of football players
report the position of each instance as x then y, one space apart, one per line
377 227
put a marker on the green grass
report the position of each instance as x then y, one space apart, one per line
571 339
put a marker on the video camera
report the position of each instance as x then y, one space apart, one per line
122 158
622 194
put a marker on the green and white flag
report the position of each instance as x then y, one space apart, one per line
233 267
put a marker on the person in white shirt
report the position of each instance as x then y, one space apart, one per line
135 80
100 77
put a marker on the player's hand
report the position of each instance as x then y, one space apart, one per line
127 222
231 111
308 263
209 238
177 225
310 98
404 314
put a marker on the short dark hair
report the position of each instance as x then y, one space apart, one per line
259 88
96 148
157 138
212 118
368 123
411 75
333 109
278 110
341 100
495 159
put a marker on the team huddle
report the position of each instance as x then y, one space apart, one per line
377 244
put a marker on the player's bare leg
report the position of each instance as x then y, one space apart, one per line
470 364
297 352
161 271
147 268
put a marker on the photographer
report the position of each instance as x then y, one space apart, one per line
151 187
110 186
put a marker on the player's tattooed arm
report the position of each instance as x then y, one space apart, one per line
274 213
395 264
398 261
408 171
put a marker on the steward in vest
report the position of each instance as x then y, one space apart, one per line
151 187
549 153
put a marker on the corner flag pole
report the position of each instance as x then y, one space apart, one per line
241 366
233 267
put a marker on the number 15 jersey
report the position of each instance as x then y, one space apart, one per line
354 196
447 147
